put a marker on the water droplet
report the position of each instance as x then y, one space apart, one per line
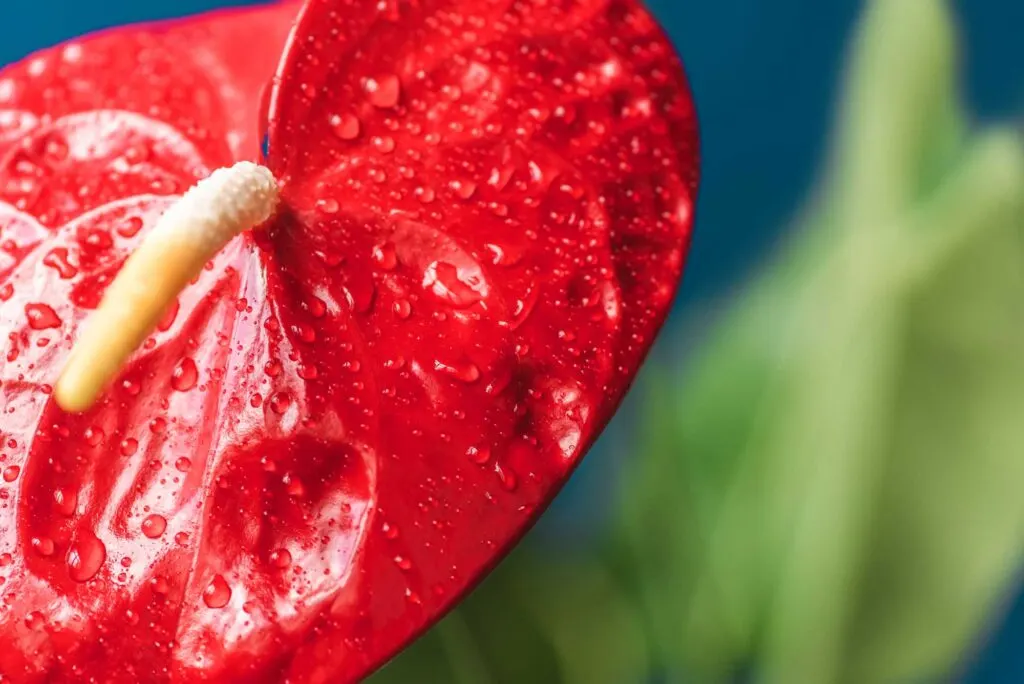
35 620
41 317
129 446
403 563
402 308
272 368
130 227
55 148
85 557
181 538
305 332
315 306
185 376
280 402
96 239
389 530
160 585
385 257
131 387
93 435
328 205
154 525
183 464
168 318
11 473
507 477
464 372
446 282
346 126
6 292
281 558
65 501
479 455
293 485
383 91
217 594
524 307
6 559
384 144
157 425
464 189
59 260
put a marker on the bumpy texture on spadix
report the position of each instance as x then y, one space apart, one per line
188 234
353 412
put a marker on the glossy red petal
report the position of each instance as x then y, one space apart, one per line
503 193
349 417
109 524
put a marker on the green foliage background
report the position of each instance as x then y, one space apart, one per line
829 491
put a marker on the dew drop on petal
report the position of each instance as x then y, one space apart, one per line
41 317
185 375
59 260
85 557
402 308
154 525
168 318
385 256
346 126
328 205
280 402
479 455
217 593
507 477
281 558
130 227
384 91
65 501
44 546
93 435
467 372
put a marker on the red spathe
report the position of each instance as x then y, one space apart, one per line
352 414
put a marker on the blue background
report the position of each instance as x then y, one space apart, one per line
765 73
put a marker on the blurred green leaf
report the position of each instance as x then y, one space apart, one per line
535 619
830 494
830 491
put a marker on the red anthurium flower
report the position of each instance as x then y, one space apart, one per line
354 411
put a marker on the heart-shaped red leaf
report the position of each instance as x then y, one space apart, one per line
349 416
